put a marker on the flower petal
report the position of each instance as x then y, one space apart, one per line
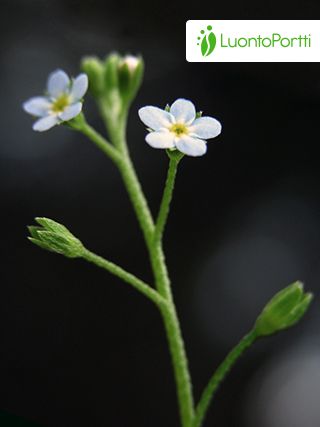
191 146
58 83
79 87
205 127
183 111
37 106
71 111
161 139
155 118
45 123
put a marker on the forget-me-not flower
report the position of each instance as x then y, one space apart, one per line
179 128
62 102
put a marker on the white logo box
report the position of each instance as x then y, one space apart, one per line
291 40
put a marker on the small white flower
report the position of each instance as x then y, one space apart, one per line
63 101
180 128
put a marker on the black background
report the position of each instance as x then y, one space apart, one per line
80 348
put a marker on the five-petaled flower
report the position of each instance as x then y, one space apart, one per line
179 128
63 101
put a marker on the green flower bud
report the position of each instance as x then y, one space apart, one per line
114 81
130 72
55 237
284 310
111 78
123 76
94 68
111 101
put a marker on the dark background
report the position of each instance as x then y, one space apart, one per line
77 346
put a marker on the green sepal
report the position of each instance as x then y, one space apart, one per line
175 154
284 310
51 225
77 122
41 244
33 230
55 237
130 79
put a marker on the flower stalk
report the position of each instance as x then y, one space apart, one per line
219 376
167 195
117 271
154 244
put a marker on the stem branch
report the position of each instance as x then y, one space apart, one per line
100 142
119 153
175 339
126 277
219 376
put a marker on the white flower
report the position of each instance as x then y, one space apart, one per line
180 128
63 101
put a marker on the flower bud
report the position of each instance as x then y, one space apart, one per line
132 62
55 237
284 310
94 68
111 72
130 71
123 76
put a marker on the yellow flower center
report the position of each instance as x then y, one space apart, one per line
179 129
60 103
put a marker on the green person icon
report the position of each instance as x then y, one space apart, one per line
207 40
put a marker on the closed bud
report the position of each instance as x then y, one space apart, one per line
123 76
284 310
94 68
130 71
55 237
111 77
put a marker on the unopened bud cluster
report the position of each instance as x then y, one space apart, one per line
115 79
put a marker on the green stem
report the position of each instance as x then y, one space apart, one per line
166 199
120 156
126 277
174 336
114 119
170 318
219 376
100 142
137 197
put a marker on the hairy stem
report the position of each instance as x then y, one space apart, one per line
120 156
127 277
119 153
166 199
219 376
170 318
115 119
175 339
100 142
137 197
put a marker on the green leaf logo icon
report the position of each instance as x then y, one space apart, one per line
208 41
